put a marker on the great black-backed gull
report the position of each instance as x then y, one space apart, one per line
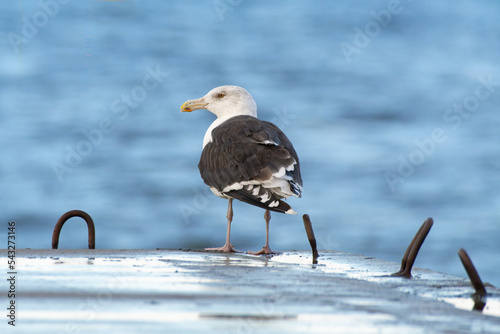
245 158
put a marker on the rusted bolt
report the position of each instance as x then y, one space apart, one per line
479 296
412 250
64 218
310 236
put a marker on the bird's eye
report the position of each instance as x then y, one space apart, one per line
220 96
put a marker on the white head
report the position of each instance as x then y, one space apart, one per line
224 102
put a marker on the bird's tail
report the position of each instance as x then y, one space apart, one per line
272 204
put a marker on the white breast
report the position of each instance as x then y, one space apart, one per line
208 135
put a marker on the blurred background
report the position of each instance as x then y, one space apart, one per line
392 107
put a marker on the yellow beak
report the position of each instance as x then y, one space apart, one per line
191 105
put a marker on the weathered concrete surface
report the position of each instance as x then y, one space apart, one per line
172 291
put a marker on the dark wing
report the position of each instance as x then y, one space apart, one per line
245 149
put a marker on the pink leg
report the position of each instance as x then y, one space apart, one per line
266 250
227 248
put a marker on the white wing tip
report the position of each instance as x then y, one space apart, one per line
291 212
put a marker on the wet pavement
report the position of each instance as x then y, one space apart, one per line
159 291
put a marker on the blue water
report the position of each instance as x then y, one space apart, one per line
412 98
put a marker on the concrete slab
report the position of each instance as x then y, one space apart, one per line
174 291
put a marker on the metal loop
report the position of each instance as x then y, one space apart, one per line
310 236
413 248
479 297
64 218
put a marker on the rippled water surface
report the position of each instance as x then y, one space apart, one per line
392 107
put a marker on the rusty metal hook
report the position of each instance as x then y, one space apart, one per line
64 218
310 236
412 250
479 296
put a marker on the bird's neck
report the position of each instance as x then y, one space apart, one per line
208 135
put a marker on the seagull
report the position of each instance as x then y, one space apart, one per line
245 158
